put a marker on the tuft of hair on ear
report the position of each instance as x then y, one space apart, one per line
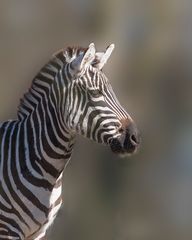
101 58
81 61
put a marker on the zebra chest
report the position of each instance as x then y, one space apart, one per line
45 220
31 222
55 204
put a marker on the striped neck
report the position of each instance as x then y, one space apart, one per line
41 117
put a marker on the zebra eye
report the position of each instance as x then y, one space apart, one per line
95 93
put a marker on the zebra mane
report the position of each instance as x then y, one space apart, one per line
68 54
48 72
71 53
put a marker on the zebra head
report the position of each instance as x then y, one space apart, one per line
93 109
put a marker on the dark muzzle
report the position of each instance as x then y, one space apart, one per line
128 142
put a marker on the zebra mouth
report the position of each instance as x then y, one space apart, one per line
124 148
128 142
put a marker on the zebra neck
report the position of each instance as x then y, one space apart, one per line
45 151
48 141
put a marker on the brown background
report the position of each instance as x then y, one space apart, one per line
148 196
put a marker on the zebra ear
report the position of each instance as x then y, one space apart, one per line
84 60
102 58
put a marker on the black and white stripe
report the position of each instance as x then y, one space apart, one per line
69 96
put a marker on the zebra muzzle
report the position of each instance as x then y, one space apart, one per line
128 142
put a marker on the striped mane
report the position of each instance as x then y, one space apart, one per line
68 54
51 68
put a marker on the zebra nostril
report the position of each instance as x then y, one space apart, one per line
134 139
121 130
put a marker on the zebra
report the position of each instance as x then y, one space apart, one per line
69 96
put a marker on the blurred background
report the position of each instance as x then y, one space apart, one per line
149 195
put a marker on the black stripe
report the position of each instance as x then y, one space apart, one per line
12 210
7 231
32 158
13 224
6 177
99 121
25 191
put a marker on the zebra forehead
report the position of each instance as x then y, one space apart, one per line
94 78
